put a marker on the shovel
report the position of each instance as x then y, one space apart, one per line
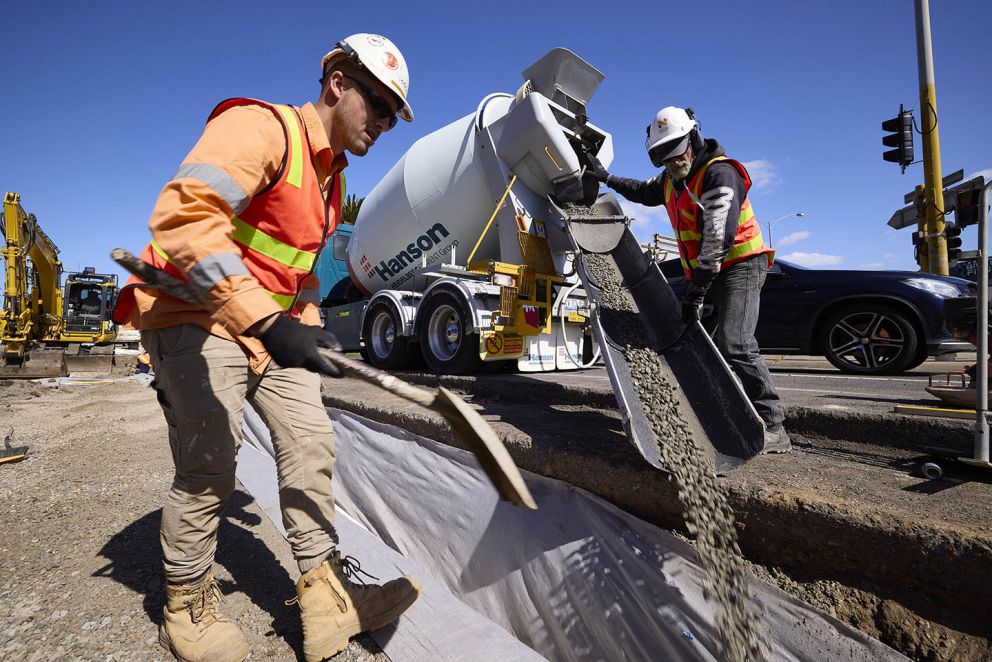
477 434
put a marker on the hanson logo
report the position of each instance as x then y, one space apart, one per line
367 266
413 251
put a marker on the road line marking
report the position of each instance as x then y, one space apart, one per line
822 392
858 377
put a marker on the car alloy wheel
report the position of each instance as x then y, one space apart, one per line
866 339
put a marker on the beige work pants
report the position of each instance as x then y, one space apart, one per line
202 383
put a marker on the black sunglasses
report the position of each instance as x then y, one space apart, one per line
379 105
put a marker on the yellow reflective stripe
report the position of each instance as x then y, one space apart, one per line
747 214
162 254
740 250
690 264
295 165
697 182
343 184
284 300
687 215
689 235
271 247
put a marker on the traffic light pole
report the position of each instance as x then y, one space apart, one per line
932 176
981 455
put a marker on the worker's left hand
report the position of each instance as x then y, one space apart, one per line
596 169
294 345
692 303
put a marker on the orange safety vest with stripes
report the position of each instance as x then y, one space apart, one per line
684 213
280 232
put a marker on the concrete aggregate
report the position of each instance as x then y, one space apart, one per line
709 517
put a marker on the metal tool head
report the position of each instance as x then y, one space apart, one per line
597 228
487 448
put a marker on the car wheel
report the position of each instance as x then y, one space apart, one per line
869 339
444 321
384 347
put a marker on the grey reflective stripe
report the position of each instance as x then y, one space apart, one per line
219 181
310 295
214 268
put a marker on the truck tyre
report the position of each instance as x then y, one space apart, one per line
384 347
448 347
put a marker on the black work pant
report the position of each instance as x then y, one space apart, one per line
736 294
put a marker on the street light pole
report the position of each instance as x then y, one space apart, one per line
797 214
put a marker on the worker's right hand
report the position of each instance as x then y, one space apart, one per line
596 169
294 345
692 303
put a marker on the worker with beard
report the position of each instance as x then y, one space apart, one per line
723 255
243 222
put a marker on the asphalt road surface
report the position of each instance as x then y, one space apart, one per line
809 381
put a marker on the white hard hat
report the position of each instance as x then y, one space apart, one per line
380 57
669 133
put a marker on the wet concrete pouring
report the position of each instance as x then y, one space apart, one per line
709 518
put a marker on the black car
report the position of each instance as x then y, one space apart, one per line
863 322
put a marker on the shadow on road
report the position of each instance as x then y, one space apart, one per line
135 560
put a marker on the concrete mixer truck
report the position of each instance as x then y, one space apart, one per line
459 255
488 241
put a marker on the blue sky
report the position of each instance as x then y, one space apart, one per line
102 100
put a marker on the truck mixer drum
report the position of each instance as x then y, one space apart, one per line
489 186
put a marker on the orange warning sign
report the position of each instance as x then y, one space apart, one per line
494 344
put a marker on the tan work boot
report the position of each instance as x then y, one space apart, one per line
334 609
194 630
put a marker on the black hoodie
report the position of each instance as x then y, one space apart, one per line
720 195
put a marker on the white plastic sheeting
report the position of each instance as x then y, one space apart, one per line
577 579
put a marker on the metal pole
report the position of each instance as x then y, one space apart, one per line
932 177
982 401
769 234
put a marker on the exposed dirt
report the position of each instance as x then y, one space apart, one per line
842 525
79 523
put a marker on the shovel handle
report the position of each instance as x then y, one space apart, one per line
467 423
172 286
382 379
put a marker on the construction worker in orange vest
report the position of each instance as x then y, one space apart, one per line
243 222
719 240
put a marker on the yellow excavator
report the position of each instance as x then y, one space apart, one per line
47 330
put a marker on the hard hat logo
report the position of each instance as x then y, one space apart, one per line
668 135
379 57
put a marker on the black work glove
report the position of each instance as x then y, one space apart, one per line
692 303
596 169
294 345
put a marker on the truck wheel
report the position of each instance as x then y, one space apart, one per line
447 345
384 347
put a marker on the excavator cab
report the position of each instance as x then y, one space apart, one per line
88 301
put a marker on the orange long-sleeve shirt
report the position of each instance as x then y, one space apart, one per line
236 157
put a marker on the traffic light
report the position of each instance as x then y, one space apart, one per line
967 206
900 137
953 235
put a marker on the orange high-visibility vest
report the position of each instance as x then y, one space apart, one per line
683 212
283 228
